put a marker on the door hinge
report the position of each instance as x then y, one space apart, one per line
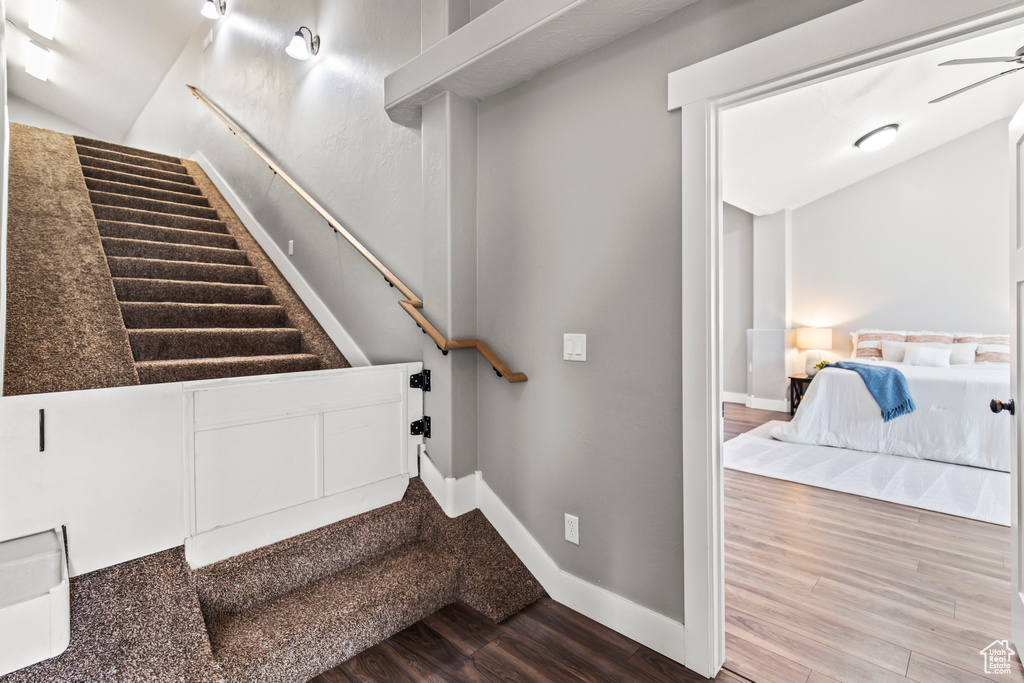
421 427
421 380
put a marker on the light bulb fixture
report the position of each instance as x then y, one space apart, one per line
214 9
37 61
878 138
299 48
42 18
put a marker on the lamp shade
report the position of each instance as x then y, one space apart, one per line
818 338
297 49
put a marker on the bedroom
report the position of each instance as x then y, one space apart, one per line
910 238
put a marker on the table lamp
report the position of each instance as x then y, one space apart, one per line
814 340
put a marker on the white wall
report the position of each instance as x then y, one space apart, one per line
23 111
737 296
324 121
579 231
5 153
921 246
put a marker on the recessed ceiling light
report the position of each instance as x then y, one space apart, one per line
37 61
878 138
42 18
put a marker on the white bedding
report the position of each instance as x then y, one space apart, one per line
952 422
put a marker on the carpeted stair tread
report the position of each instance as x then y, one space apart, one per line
237 583
132 159
159 233
150 314
300 634
117 246
188 370
110 165
131 267
177 343
156 205
119 188
113 147
187 291
183 186
120 213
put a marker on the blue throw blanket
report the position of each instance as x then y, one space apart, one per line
887 385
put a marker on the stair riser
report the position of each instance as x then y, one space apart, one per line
106 164
178 270
146 315
118 213
172 252
140 181
101 144
143 204
143 192
155 233
189 344
143 162
190 371
191 292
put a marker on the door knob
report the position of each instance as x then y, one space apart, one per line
998 406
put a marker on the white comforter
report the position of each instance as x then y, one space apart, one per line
952 423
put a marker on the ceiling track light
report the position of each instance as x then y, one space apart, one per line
303 48
878 138
214 9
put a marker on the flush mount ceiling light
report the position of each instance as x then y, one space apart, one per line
301 47
42 18
214 9
37 61
878 138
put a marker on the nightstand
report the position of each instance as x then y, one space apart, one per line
797 387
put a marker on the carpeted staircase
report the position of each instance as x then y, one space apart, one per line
194 304
289 611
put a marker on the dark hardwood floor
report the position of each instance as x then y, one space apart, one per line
821 587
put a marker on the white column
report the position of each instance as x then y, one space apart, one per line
768 341
441 18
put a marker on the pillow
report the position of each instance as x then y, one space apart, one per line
869 342
963 354
931 357
993 353
932 337
894 351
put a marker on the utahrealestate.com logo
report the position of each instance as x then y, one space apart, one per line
998 657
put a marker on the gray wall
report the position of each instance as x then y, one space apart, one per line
737 296
324 122
921 246
579 231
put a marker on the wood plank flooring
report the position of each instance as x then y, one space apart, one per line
821 587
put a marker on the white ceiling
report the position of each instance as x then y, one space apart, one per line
109 57
791 149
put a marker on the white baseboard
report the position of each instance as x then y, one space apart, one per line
635 621
734 397
767 404
455 496
314 303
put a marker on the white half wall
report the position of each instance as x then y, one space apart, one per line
921 246
23 111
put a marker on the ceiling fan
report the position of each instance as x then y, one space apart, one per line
1017 59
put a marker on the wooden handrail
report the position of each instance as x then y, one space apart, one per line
412 303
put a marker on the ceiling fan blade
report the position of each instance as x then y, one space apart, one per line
979 60
975 85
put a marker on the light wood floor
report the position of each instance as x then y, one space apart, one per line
823 586
820 586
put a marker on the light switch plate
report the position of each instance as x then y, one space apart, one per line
574 347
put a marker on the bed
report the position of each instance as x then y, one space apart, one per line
952 422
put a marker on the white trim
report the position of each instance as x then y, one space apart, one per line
868 33
734 397
314 303
234 539
635 621
455 496
780 406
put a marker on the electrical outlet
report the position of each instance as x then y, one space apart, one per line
572 528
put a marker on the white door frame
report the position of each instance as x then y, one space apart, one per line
866 34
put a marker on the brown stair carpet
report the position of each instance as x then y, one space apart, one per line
287 612
199 298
